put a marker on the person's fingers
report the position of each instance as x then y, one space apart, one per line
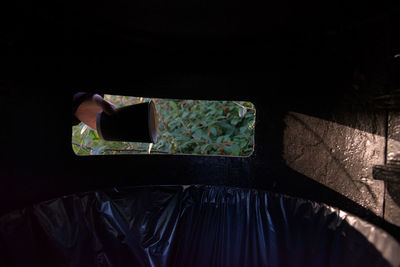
108 107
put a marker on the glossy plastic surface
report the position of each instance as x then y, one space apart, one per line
190 226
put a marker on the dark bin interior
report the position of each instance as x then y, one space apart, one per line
191 226
324 81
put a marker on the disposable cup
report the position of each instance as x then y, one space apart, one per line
134 123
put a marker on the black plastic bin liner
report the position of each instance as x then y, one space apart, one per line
190 226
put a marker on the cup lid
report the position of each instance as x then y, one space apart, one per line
153 132
98 125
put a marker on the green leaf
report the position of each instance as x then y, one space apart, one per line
213 131
242 112
98 150
184 115
205 147
244 129
235 149
242 143
220 139
235 121
196 150
197 132
173 105
226 138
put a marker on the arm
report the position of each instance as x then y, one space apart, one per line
89 105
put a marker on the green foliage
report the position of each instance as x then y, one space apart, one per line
184 126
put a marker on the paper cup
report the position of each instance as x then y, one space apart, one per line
135 123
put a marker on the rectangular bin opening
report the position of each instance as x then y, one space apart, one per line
193 127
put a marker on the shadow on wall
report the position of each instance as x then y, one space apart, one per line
392 204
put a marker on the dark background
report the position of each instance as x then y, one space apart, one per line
314 58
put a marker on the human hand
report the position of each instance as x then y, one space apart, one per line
88 110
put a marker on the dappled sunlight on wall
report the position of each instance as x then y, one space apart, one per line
337 156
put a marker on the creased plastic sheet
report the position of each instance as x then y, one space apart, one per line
190 226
